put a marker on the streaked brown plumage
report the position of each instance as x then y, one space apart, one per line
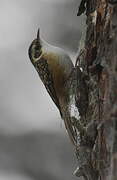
54 67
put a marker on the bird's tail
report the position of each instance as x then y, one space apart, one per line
70 128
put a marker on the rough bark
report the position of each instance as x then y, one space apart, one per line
96 93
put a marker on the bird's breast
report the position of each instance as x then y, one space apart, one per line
58 72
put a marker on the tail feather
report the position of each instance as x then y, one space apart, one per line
70 129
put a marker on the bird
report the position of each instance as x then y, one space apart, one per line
54 67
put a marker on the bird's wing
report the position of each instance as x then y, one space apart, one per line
43 70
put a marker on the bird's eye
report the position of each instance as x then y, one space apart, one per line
37 52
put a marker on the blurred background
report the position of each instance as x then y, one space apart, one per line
33 140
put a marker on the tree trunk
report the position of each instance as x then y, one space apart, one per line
96 95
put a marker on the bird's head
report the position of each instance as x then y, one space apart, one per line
35 49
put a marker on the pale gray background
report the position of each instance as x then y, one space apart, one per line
24 100
25 105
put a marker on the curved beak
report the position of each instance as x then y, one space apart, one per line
38 34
